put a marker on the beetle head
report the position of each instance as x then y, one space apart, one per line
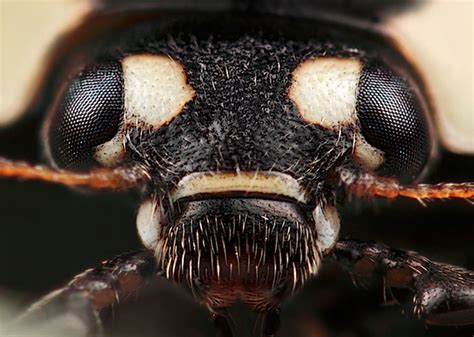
240 136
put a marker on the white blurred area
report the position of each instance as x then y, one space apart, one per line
440 36
10 309
27 29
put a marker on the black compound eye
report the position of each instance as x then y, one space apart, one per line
393 120
88 114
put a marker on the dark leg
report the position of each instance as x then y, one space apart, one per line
79 302
271 323
222 325
444 294
269 328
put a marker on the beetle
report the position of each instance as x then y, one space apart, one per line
214 180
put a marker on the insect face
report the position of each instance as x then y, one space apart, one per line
242 134
241 138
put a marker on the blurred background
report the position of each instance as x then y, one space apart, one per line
50 233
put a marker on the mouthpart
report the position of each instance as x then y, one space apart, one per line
241 235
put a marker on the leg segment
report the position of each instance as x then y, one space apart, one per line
80 301
443 294
221 323
269 328
271 323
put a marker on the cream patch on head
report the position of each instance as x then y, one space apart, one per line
246 182
328 225
367 155
324 90
112 152
148 223
155 89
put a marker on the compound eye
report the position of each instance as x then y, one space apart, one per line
88 114
393 120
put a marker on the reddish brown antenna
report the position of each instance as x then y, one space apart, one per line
366 184
101 178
